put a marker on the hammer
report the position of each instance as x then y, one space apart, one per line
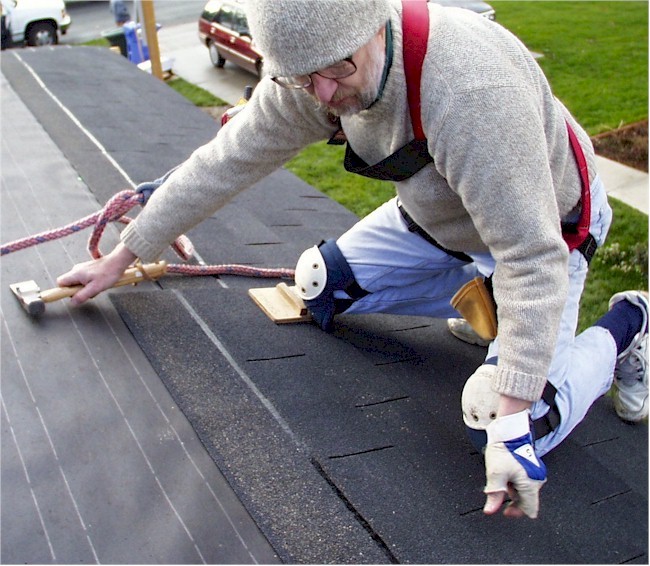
33 299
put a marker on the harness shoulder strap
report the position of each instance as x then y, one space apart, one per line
575 239
415 33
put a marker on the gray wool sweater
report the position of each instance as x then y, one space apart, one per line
503 175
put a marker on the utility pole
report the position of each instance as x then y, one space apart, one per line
152 37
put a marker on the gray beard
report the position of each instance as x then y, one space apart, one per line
367 97
361 102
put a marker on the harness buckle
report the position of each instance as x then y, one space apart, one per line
588 247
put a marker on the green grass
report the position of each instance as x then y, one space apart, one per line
622 263
99 42
595 55
196 94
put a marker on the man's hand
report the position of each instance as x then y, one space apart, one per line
97 275
512 467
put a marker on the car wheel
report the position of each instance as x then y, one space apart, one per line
215 56
42 33
5 40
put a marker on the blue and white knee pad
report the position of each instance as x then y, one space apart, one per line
320 271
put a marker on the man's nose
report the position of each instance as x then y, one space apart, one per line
324 89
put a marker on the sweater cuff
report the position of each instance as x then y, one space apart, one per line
527 387
138 245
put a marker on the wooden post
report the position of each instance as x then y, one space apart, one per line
152 38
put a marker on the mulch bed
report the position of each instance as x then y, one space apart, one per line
627 145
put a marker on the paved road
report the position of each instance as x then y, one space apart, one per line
192 62
91 18
177 37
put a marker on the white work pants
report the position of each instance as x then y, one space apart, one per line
407 275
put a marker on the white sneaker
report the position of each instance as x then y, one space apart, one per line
462 330
630 388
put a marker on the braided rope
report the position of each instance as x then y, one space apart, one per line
114 211
230 269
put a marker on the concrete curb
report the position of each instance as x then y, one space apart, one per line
624 183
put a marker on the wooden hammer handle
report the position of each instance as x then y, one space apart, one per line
132 276
58 293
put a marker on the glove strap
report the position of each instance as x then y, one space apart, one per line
508 427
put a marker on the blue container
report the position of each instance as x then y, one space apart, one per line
137 52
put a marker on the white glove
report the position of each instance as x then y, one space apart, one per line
511 466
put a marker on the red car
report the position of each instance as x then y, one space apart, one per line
223 29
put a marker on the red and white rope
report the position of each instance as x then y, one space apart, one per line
114 211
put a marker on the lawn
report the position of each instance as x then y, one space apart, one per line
595 55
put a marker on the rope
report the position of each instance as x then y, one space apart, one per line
231 269
114 211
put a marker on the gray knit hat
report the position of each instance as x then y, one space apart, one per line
301 36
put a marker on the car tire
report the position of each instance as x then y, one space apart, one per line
42 33
216 58
5 40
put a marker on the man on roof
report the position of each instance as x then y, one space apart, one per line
495 181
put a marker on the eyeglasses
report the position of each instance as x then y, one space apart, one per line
340 70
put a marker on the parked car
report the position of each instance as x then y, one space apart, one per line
34 22
223 29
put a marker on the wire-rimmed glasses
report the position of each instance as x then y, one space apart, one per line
339 70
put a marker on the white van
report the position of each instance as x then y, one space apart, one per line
35 22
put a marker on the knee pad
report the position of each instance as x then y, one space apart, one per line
320 271
480 403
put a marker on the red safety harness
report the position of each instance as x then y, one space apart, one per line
413 156
415 29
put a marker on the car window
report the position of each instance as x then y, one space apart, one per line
233 19
224 17
240 25
211 11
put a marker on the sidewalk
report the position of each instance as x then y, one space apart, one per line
624 183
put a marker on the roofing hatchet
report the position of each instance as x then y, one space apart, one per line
33 299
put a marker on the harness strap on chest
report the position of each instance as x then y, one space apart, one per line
412 157
398 166
415 30
577 237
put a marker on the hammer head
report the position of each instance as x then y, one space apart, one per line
29 296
